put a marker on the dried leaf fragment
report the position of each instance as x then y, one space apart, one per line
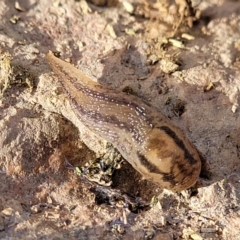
195 236
19 7
128 6
14 19
111 31
176 43
209 86
85 7
188 36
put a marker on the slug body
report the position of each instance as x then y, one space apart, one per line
148 140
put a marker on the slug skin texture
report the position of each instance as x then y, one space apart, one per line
148 140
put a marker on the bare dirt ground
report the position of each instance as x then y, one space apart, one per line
183 59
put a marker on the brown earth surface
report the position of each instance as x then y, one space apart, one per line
181 58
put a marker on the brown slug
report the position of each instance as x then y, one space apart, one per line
148 140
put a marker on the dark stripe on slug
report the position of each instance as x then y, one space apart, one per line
148 165
110 119
179 143
183 170
113 97
166 177
170 177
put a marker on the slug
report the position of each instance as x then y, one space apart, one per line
148 140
